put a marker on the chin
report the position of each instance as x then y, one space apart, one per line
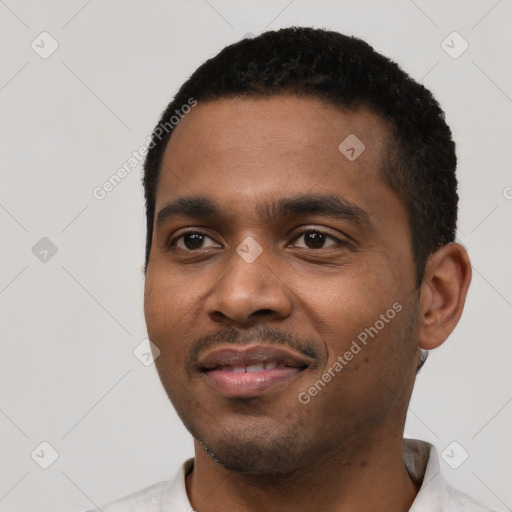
255 447
250 457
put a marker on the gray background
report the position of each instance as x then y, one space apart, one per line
70 321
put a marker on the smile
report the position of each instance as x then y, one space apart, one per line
249 371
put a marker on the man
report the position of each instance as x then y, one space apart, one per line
301 215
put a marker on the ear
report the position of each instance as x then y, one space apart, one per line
443 294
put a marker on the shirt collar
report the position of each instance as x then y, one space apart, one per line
422 463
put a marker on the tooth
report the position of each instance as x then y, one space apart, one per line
270 366
255 367
238 369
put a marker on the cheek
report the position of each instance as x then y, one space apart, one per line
161 311
155 301
163 296
369 368
364 314
170 312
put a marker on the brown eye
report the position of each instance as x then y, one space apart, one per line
314 239
191 241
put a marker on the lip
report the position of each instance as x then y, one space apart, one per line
225 369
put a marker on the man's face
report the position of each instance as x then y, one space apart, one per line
252 305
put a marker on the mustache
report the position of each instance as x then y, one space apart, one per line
264 335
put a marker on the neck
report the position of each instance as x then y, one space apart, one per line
368 476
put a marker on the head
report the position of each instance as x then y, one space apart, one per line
306 199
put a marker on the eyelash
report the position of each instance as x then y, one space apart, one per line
340 243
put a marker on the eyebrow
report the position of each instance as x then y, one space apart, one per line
202 207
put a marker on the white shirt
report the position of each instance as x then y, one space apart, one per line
420 458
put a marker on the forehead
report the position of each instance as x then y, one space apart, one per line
239 150
282 122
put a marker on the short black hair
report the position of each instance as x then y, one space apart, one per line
346 72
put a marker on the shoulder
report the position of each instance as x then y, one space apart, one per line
435 494
166 495
454 500
145 500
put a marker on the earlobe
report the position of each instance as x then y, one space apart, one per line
443 294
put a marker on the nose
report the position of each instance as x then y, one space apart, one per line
248 291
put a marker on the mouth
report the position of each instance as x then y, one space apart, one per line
250 371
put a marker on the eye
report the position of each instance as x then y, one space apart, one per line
315 239
312 239
192 240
